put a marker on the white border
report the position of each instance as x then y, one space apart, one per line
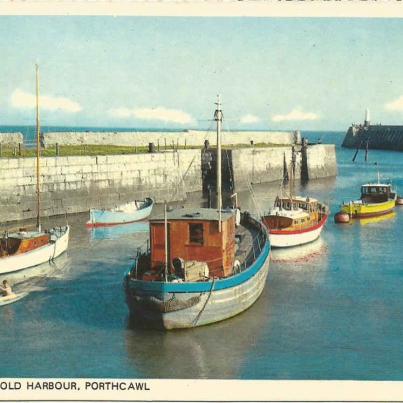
176 390
212 390
223 8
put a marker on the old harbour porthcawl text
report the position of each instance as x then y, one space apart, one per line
55 385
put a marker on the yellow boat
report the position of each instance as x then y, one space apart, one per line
376 199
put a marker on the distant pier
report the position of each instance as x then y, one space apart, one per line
368 136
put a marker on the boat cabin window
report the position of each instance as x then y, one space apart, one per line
375 189
196 234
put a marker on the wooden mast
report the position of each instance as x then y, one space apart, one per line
291 183
38 129
166 241
218 119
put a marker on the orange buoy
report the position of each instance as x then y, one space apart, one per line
399 201
341 218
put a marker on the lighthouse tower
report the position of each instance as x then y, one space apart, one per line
367 120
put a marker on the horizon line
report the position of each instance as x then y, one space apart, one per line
177 129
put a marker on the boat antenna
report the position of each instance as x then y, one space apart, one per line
218 118
38 129
166 240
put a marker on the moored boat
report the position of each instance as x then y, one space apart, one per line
376 199
9 299
209 276
295 221
202 266
24 249
126 213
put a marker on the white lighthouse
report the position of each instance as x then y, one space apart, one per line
367 120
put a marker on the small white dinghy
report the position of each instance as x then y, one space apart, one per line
9 299
124 214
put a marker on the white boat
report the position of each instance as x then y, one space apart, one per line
19 251
24 249
123 214
9 299
295 221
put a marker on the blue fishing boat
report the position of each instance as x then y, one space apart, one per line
203 265
125 213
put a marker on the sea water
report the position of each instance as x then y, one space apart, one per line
330 310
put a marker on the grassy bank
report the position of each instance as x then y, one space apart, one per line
89 150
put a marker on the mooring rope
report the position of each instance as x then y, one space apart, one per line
196 319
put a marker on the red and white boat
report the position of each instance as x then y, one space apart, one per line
295 221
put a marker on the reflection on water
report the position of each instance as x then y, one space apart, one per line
35 278
117 231
303 253
213 351
373 220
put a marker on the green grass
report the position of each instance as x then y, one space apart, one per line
92 150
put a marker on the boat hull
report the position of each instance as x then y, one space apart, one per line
9 299
286 239
186 305
58 245
360 210
100 218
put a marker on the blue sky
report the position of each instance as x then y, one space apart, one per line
272 73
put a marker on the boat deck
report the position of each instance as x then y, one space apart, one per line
249 243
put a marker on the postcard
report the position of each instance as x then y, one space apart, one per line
201 201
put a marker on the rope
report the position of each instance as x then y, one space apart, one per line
257 206
182 182
196 319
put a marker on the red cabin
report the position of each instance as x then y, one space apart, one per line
193 236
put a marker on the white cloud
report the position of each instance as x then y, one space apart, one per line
159 113
295 115
25 100
249 119
396 105
121 113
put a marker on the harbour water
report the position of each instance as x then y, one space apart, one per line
330 310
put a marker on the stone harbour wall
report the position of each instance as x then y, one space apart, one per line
322 161
75 184
12 139
188 137
260 165
375 136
